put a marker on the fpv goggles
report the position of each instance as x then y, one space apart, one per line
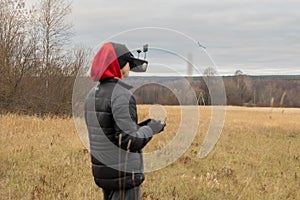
124 56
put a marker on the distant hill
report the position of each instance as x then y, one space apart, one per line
270 90
177 78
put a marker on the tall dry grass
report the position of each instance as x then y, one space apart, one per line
43 159
257 157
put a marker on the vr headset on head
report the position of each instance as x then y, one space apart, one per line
124 56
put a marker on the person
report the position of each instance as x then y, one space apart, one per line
116 139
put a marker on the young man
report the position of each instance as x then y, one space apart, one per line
116 140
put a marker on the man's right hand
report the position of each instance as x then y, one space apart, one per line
157 126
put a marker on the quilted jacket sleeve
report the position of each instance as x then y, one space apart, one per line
125 116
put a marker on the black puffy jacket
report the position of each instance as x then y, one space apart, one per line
111 118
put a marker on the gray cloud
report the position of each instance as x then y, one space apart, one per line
259 37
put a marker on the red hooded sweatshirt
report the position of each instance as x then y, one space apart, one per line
105 64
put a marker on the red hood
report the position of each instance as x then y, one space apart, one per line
105 64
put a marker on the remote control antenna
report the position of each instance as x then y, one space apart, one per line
145 49
139 51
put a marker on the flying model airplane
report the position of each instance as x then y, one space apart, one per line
200 45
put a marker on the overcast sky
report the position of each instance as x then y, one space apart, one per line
256 36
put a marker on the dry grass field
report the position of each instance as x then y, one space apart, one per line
257 157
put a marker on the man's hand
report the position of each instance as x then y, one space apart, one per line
157 126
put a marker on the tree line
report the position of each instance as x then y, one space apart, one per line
241 90
38 64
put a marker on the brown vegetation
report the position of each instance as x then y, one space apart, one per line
257 157
37 64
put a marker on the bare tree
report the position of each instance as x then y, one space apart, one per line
38 64
54 31
238 72
51 35
244 86
210 71
15 48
